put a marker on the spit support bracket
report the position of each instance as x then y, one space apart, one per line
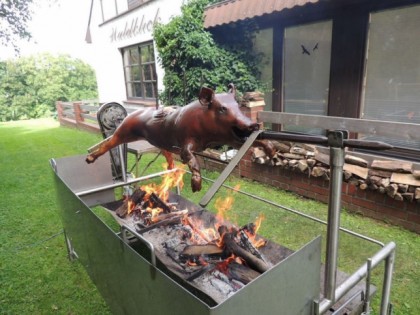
125 230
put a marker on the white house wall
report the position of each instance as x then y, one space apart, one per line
125 30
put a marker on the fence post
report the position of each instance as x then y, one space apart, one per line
59 107
78 113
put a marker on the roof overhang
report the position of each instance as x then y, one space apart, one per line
231 11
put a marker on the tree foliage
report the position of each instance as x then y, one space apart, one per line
14 16
30 86
191 57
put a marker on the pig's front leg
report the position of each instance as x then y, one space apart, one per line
188 158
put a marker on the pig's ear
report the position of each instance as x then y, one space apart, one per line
232 89
206 96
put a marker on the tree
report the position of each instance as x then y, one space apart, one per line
191 57
14 16
30 86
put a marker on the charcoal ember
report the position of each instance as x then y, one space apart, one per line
186 232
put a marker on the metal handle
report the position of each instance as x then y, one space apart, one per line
125 229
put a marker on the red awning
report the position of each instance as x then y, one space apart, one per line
230 11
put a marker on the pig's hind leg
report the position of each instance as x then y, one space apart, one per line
120 136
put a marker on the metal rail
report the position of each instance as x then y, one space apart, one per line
128 182
307 216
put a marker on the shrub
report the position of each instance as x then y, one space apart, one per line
191 57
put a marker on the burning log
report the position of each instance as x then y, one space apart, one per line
199 273
241 273
193 251
165 216
230 245
156 202
247 244
131 201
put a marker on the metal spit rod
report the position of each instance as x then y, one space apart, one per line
119 184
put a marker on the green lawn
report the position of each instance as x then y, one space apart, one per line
37 278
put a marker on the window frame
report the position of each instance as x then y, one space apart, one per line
142 81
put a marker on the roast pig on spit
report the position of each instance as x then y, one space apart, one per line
212 120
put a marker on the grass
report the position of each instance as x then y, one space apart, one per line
37 278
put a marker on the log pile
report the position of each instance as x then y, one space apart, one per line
252 99
397 179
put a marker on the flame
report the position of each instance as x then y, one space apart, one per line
201 235
130 206
252 234
169 181
224 265
223 205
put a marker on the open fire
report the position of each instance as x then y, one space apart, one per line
205 250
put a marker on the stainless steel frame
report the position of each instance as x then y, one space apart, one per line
130 279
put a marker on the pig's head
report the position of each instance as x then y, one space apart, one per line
225 114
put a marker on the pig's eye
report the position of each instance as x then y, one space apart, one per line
222 109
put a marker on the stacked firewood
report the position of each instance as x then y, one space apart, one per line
397 179
252 99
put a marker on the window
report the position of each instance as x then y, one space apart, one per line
111 8
392 83
134 3
140 71
307 54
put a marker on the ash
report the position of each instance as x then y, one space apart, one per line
170 241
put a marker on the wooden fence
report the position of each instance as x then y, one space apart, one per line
80 114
